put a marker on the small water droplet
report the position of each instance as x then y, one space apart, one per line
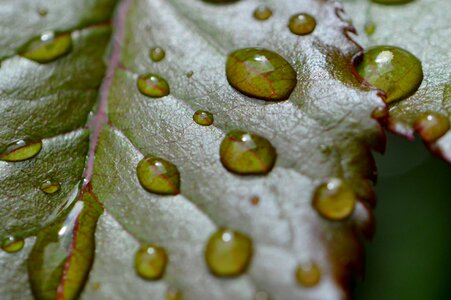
50 187
157 54
262 13
393 70
158 176
153 85
12 245
151 261
261 74
21 150
390 2
228 253
42 11
189 74
308 274
203 118
48 47
370 28
302 24
431 126
245 153
334 200
173 294
380 112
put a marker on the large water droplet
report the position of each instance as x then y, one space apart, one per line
150 262
47 47
302 24
50 187
153 85
393 70
431 126
203 118
21 150
262 13
157 54
260 73
246 153
389 2
228 253
308 274
334 200
12 245
158 176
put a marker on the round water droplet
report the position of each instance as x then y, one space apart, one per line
21 150
393 70
228 253
151 261
302 24
42 12
370 28
173 294
261 74
158 176
153 85
308 274
334 200
389 2
431 126
50 187
48 47
189 74
11 245
262 13
203 118
246 153
157 54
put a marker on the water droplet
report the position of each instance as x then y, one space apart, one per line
157 54
189 74
370 28
302 24
48 47
246 153
158 176
50 187
151 261
431 126
262 13
153 85
389 2
42 12
173 294
203 118
393 70
380 112
334 200
308 274
12 245
261 74
228 253
21 150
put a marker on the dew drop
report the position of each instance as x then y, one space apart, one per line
189 74
261 74
48 47
158 176
151 261
389 2
334 200
203 118
12 245
50 187
245 153
173 294
393 70
262 13
157 54
302 24
21 150
228 253
153 85
431 126
308 274
370 28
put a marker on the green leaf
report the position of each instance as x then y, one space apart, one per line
324 130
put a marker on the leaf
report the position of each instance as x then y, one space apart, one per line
324 130
422 28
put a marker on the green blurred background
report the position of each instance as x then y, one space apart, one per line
409 256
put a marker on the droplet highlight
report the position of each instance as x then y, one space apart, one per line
50 187
21 150
157 54
393 70
151 261
246 153
261 74
153 85
431 126
308 274
302 24
12 245
203 118
228 253
48 47
262 13
158 176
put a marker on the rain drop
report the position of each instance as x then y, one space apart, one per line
153 85
12 245
302 24
431 126
157 54
308 274
50 187
203 118
262 13
151 261
47 47
158 176
21 150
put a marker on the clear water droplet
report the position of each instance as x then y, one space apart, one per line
228 253
151 261
12 245
262 13
48 47
302 24
334 200
158 176
157 54
21 150
50 187
203 118
308 274
431 126
153 85
245 153
261 74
